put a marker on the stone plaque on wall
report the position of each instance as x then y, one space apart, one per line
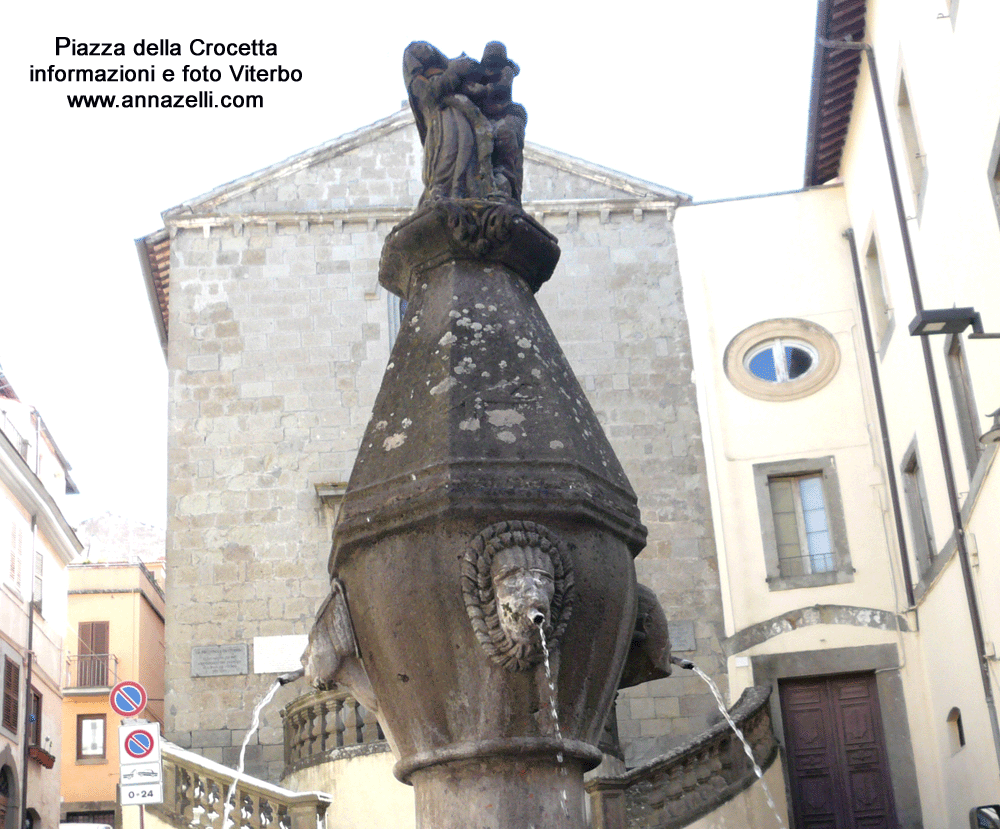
682 636
219 660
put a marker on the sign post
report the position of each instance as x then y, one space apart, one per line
138 748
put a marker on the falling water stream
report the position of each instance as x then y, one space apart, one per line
254 725
684 663
555 716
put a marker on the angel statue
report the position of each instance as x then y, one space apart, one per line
472 132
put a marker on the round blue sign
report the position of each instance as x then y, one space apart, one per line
128 698
138 744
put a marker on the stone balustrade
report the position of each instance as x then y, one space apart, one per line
194 791
693 779
322 721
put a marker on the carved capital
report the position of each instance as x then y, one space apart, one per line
489 232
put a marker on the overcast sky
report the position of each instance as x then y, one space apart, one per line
709 98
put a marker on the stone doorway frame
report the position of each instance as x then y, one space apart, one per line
884 661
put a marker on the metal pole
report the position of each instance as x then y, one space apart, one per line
27 685
882 422
961 547
25 747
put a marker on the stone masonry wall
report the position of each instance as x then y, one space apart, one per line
278 338
615 305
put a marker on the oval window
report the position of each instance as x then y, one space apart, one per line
781 360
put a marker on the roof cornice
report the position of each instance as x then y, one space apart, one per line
834 78
17 476
203 212
604 175
538 208
208 202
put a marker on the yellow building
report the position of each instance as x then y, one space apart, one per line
115 632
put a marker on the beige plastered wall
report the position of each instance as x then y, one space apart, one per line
785 256
364 792
949 66
47 643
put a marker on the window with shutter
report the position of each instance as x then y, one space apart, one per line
35 728
11 686
90 730
92 667
803 530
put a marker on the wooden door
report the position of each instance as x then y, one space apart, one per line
837 761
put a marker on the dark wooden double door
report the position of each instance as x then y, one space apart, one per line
837 762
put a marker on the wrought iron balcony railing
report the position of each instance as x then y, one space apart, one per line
91 670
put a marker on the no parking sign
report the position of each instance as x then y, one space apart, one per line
141 768
138 743
128 698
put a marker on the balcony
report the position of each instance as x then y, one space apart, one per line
318 723
91 671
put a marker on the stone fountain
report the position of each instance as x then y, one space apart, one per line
487 536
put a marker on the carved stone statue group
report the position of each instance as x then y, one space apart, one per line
472 132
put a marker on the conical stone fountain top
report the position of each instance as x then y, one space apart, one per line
486 511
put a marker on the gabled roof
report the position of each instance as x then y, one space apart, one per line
637 187
834 78
337 146
400 120
154 249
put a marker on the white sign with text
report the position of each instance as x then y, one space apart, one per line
141 762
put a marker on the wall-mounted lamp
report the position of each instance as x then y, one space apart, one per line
949 321
993 435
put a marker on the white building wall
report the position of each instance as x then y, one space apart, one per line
787 258
945 54
952 77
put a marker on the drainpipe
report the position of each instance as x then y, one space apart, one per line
31 638
961 547
27 682
882 422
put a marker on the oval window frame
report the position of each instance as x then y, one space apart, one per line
786 342
749 340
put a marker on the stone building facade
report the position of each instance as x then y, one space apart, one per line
276 335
